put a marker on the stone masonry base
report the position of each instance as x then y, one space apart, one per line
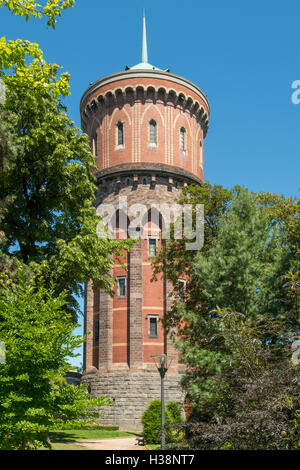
131 393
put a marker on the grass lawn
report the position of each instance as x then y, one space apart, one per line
74 434
62 446
153 446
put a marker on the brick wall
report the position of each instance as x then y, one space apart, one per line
123 324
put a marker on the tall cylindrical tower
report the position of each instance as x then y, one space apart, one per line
147 128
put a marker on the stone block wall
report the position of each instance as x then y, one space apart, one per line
131 393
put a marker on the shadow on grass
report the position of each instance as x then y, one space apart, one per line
61 436
74 435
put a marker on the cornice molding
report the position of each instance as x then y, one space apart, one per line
142 168
125 75
116 97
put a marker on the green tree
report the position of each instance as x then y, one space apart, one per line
48 188
49 220
257 401
173 260
37 334
242 268
52 233
50 9
278 215
7 154
285 214
22 64
244 259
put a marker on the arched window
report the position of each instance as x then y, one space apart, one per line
152 132
120 133
201 154
182 139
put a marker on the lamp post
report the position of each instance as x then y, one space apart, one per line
162 363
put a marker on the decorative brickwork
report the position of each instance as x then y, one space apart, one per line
131 98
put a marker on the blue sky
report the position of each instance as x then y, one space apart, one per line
243 55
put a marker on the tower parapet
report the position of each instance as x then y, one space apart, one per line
135 97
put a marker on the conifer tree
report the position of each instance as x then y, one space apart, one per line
242 270
244 258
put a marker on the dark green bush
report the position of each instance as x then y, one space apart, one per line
152 421
176 411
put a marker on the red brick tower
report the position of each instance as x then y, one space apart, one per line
147 127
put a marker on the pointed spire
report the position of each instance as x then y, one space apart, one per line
144 64
144 43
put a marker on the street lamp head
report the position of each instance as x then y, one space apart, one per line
162 363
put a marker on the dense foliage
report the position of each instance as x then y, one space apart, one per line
50 9
49 221
8 264
22 64
256 398
249 267
175 410
47 188
151 421
38 338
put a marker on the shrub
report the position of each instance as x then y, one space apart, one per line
176 411
152 421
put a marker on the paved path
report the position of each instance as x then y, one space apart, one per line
117 443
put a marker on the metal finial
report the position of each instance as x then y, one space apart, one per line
144 44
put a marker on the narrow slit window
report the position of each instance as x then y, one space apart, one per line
121 286
95 145
181 288
120 133
201 154
152 131
182 139
96 328
152 247
153 326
